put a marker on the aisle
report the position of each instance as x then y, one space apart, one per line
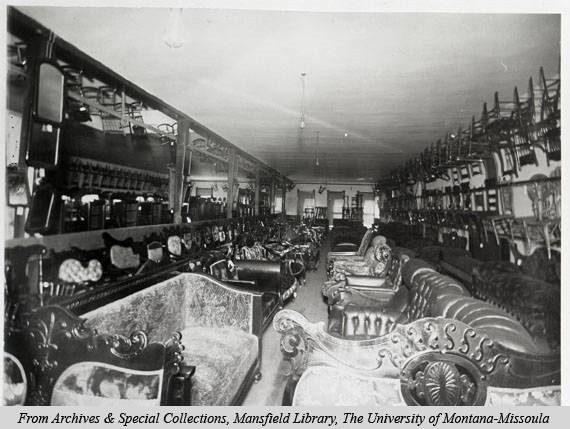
309 302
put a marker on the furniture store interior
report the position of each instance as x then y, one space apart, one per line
276 207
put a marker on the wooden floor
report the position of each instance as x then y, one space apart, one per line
309 302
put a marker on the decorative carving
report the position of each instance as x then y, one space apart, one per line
55 339
210 146
295 344
245 163
44 331
442 380
127 348
447 336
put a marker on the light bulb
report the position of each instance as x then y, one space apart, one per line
172 36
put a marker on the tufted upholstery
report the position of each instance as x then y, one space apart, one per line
369 314
367 322
427 286
489 319
429 294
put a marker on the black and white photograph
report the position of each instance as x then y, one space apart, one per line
282 204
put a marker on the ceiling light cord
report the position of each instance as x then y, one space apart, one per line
317 151
302 124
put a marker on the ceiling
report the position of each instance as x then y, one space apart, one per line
379 87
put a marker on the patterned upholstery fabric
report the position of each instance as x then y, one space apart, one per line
368 265
173 305
222 358
327 386
215 322
332 386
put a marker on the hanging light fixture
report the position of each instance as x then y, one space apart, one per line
172 36
302 124
322 187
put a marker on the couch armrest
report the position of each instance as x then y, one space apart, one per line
348 254
266 274
252 286
368 282
230 306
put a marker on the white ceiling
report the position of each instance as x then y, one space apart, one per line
393 82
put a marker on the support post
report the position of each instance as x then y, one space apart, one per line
256 209
272 196
283 198
181 142
231 179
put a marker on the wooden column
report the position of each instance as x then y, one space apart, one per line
272 196
256 209
232 167
182 141
33 53
283 198
186 178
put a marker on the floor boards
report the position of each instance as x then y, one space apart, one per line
309 302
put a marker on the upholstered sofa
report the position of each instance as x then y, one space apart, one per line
431 294
264 277
55 359
220 325
342 248
395 327
344 288
427 361
347 232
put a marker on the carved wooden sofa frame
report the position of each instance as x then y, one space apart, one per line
430 361
55 349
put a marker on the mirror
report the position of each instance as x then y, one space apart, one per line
50 93
43 214
43 146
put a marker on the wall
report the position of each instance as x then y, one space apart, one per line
321 199
521 202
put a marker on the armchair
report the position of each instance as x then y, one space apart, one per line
373 263
345 248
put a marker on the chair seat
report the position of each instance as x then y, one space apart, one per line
223 358
345 247
330 386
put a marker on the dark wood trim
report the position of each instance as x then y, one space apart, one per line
89 240
25 27
247 383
